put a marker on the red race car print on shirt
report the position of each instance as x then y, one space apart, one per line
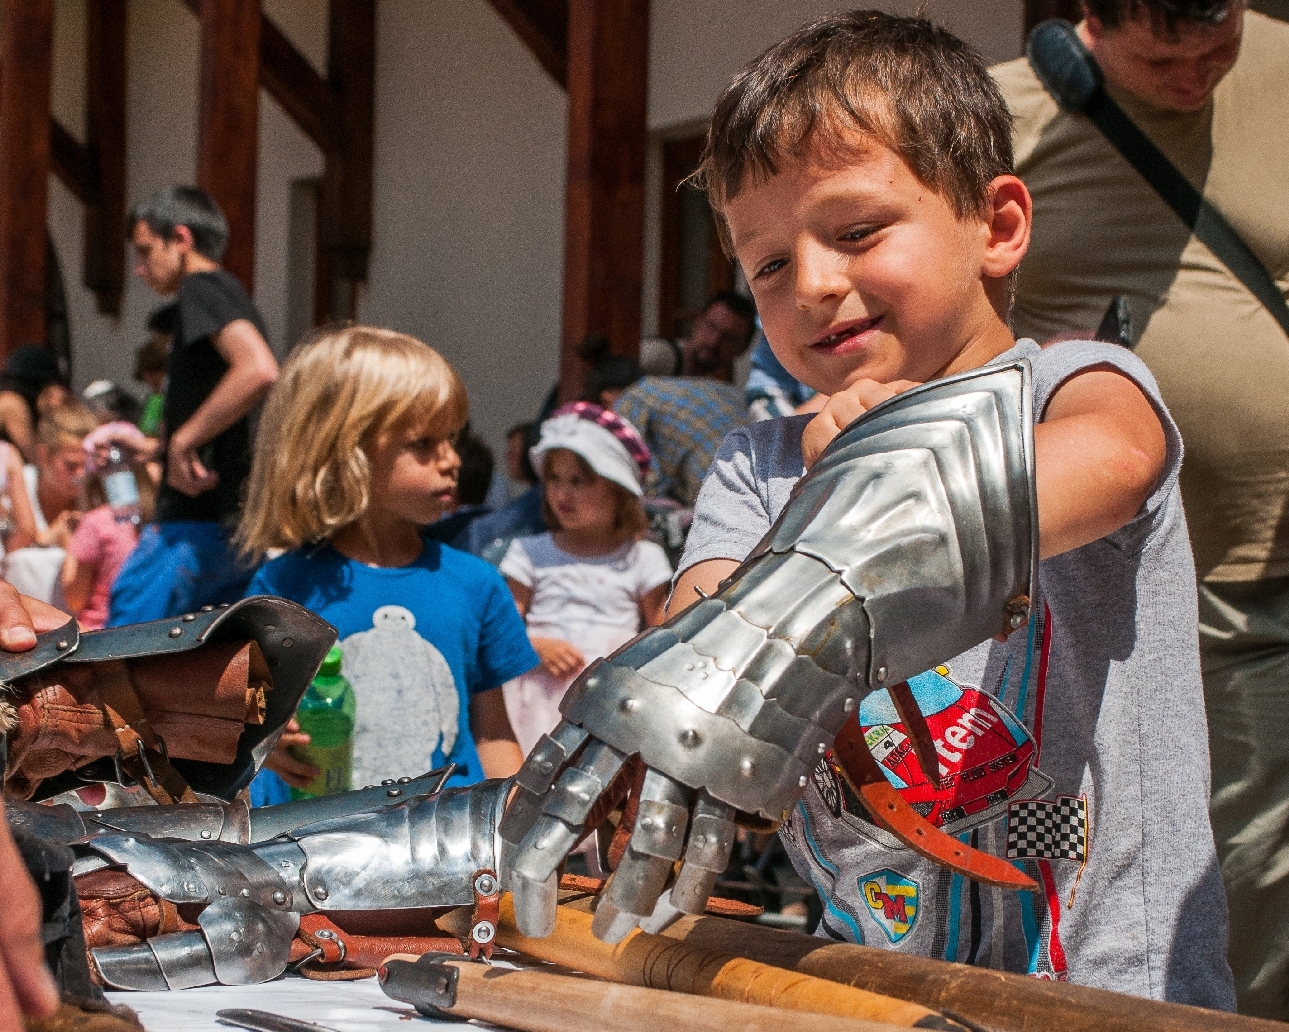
986 754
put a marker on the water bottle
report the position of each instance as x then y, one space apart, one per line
326 715
121 488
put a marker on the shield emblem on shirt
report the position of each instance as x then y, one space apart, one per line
893 901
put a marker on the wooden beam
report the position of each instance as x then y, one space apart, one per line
345 231
69 160
302 92
26 37
608 50
105 144
543 27
228 122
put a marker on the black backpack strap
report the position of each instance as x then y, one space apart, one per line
1070 74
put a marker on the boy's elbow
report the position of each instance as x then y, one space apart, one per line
1139 470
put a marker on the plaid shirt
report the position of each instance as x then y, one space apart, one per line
683 419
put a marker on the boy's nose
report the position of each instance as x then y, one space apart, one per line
820 274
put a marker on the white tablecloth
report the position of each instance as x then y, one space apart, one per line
344 1006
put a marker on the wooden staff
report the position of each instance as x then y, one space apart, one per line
655 962
541 1001
1002 1001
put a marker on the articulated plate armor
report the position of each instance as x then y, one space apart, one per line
913 538
426 852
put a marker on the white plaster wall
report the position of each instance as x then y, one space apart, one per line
696 47
469 225
470 155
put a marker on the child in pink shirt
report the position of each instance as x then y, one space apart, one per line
98 548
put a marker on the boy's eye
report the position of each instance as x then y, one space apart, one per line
771 267
859 233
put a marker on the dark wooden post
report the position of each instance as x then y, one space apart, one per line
346 203
608 51
26 33
105 142
228 122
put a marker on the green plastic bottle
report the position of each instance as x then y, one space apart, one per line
326 715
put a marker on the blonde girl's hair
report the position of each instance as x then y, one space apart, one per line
629 517
340 392
65 425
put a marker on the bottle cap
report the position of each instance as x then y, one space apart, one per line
331 665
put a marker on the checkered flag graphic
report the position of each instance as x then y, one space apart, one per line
1048 830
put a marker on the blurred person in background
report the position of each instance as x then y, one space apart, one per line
54 485
683 419
30 385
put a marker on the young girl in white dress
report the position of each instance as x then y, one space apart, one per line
591 583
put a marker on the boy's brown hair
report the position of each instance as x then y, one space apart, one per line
910 85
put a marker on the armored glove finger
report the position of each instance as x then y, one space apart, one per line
548 817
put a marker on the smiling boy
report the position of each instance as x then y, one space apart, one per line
862 172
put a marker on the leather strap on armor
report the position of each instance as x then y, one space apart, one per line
141 752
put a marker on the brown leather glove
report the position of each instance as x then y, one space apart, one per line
197 703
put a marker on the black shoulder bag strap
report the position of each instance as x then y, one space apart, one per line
1070 74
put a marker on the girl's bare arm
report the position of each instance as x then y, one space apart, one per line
494 738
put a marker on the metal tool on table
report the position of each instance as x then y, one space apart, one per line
266 1021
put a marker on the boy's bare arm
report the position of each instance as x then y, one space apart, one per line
1099 452
704 577
252 370
494 738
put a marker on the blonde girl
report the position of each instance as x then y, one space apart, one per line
354 458
591 582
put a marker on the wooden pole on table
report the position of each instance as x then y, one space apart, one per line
655 962
542 1001
1002 1001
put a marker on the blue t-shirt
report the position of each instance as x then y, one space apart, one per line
419 641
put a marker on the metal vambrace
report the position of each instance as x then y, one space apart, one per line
912 539
422 853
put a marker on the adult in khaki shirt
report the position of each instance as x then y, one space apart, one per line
1209 83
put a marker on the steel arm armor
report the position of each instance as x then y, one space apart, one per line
913 538
426 852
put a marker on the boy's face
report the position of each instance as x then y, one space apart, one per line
861 272
158 262
413 474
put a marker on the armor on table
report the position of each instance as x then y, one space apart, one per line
913 538
434 850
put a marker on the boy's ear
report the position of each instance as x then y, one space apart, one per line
182 235
1009 216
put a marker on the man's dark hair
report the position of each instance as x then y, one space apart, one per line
911 86
175 206
740 304
1166 13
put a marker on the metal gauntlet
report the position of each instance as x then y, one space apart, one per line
427 852
912 539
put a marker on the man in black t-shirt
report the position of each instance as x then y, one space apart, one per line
220 367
